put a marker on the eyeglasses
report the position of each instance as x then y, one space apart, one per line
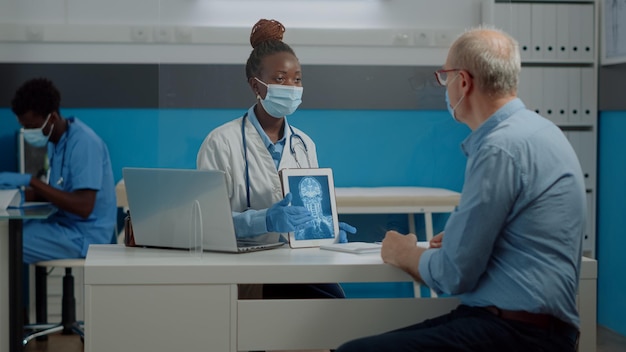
442 76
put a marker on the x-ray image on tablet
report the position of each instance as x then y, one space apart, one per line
312 193
314 190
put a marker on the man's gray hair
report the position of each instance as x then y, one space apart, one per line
493 60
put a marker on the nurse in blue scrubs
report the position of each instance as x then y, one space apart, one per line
80 182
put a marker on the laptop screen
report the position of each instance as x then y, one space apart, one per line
180 208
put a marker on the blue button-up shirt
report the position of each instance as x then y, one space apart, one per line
515 240
275 149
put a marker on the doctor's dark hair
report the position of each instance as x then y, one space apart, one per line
266 39
38 95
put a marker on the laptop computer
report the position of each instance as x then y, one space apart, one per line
185 209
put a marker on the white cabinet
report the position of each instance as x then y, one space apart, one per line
565 95
559 77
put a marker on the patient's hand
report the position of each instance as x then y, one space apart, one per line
435 242
401 251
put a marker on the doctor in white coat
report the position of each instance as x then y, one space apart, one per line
251 149
254 184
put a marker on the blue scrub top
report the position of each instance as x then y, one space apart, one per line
80 160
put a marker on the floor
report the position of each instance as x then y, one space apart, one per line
56 343
608 341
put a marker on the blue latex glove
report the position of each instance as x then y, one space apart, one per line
282 217
344 229
13 180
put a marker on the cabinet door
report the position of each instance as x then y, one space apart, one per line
589 95
554 83
515 19
584 143
574 93
589 236
159 317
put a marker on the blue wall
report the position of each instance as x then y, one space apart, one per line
611 224
364 148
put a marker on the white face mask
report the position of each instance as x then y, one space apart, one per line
281 100
35 136
452 109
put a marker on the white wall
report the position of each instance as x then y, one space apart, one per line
390 32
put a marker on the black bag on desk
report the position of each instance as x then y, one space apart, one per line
129 238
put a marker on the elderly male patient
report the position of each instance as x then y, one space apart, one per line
512 250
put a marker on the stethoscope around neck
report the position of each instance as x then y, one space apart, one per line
61 180
292 150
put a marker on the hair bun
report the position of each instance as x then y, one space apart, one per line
265 30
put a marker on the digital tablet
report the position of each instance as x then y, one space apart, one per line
313 189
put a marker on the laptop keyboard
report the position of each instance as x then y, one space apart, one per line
252 245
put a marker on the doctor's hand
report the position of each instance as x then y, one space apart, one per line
282 217
344 229
13 180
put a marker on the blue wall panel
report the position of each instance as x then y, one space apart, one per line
8 146
611 224
364 148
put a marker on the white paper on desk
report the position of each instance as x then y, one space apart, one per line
34 204
353 247
10 198
362 247
423 244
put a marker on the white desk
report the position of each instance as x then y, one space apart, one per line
11 312
401 200
139 299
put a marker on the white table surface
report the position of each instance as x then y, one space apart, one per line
282 265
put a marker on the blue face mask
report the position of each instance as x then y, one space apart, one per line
451 109
35 136
281 100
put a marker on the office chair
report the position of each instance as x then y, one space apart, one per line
68 324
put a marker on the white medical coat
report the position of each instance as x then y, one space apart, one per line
222 150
